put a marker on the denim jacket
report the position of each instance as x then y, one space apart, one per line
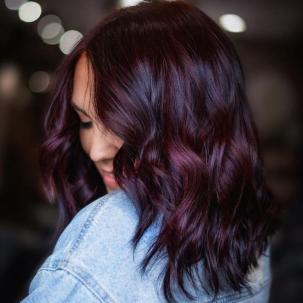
93 261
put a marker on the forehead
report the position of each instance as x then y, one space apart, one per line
82 92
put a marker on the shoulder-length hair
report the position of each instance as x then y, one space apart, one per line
169 83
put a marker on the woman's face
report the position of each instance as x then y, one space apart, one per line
100 144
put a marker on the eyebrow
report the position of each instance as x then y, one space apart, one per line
76 107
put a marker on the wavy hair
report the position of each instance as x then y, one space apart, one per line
169 83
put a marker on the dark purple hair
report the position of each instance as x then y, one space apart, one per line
169 83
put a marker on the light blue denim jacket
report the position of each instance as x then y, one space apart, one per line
93 262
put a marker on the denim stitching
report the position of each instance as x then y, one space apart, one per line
90 284
89 220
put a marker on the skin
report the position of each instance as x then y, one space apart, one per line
100 144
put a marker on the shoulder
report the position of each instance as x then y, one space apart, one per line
98 241
95 250
87 252
107 219
94 255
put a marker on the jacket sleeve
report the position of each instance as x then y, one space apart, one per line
59 285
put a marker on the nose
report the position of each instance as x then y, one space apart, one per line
100 148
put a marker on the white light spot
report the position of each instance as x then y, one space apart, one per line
50 29
14 4
39 81
29 11
68 41
232 23
125 3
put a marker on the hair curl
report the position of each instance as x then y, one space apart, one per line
169 82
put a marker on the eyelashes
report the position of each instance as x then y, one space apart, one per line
85 125
82 125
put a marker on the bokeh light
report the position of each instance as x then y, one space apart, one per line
232 23
68 40
129 2
14 4
50 29
30 11
39 81
9 80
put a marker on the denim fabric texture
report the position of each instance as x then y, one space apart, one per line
93 261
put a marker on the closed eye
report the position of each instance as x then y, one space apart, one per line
85 125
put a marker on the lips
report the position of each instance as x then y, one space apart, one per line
109 179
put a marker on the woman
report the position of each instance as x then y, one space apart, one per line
153 157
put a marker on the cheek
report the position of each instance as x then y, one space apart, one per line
85 140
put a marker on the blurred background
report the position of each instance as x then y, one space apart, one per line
35 37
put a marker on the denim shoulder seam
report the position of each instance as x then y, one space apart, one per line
88 222
83 277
